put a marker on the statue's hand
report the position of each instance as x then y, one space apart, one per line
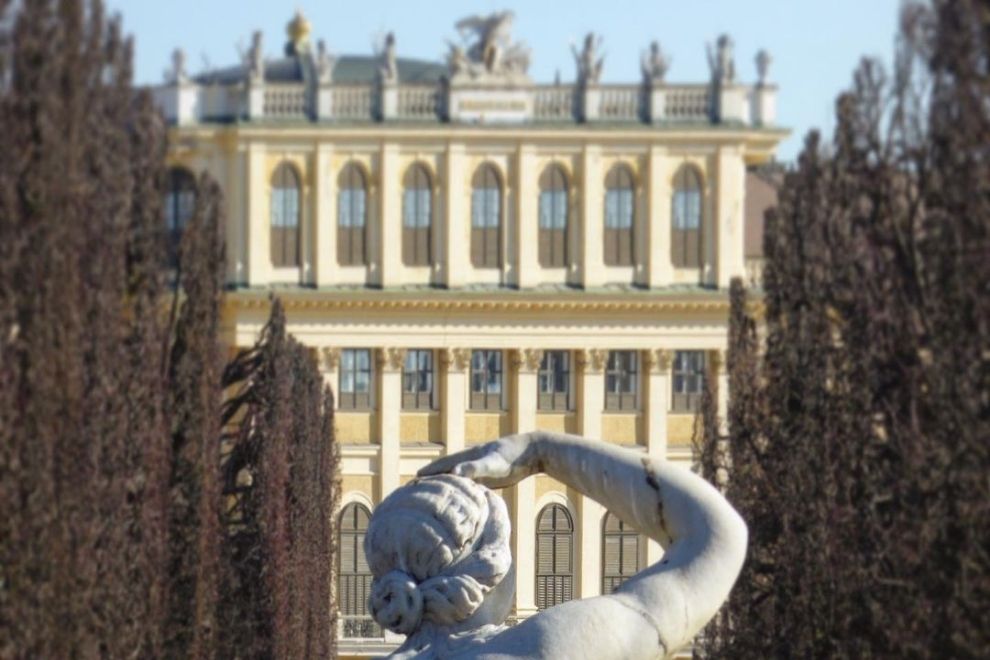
497 464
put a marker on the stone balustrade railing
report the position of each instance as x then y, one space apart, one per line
188 103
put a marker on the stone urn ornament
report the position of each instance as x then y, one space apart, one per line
444 576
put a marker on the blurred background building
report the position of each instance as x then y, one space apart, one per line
471 254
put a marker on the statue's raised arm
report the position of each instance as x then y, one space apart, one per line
651 615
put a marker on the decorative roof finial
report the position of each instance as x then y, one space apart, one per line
298 30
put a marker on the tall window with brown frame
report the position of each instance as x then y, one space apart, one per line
417 380
352 216
554 556
486 218
285 217
555 381
180 204
620 217
553 218
354 576
355 379
486 380
417 217
685 240
621 380
689 380
620 553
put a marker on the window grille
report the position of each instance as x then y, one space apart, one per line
620 553
621 380
486 380
555 381
355 379
353 575
688 381
554 557
417 380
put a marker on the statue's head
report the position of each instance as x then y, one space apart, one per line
438 548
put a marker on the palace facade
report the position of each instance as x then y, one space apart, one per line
472 254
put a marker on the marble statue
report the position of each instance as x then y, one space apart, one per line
256 59
589 65
763 61
721 61
178 73
438 549
324 63
654 64
491 56
388 69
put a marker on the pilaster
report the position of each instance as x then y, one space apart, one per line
592 221
324 236
661 270
328 361
456 236
526 363
258 249
592 363
390 216
455 362
590 546
657 373
390 362
730 191
527 233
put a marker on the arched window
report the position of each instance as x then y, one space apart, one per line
417 217
354 575
554 556
180 203
685 240
486 218
286 191
352 216
553 218
620 213
620 553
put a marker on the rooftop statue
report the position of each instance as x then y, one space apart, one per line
763 61
388 69
589 65
255 63
490 54
721 61
438 548
654 64
324 63
177 75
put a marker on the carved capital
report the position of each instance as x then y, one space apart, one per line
456 359
329 358
527 360
658 360
392 359
593 360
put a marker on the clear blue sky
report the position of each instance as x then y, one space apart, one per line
815 44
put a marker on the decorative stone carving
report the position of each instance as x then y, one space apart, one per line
527 360
392 359
325 63
658 360
654 64
719 361
329 358
439 552
456 359
488 54
593 360
256 60
721 61
763 61
388 69
177 75
589 65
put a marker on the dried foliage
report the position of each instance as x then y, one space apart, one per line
115 540
279 476
858 439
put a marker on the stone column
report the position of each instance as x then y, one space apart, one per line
527 231
720 370
258 247
324 236
390 216
592 362
660 271
657 400
455 363
728 222
592 218
390 361
455 232
524 398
